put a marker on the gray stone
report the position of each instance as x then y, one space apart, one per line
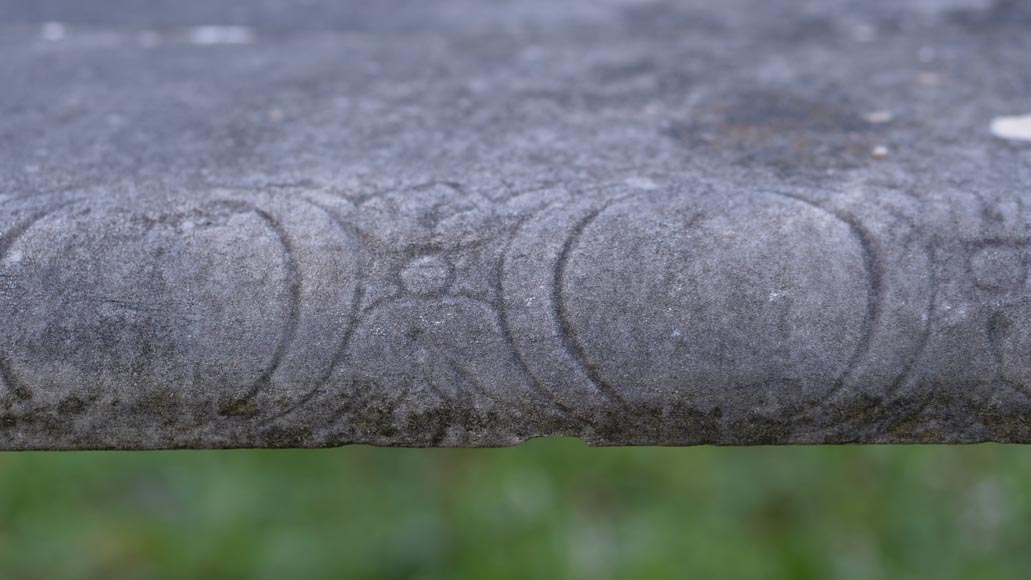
240 223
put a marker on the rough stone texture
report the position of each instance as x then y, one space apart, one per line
263 223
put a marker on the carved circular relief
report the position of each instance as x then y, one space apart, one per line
228 305
109 298
747 302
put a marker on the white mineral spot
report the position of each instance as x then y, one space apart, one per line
879 152
879 117
1016 128
53 31
208 35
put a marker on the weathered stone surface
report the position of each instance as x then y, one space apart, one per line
460 223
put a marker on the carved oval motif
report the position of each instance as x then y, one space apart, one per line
107 297
235 306
740 302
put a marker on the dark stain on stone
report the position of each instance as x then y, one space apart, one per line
237 407
71 406
1001 15
294 436
758 429
676 423
772 113
160 403
1006 423
779 129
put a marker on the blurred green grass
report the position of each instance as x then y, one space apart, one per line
548 509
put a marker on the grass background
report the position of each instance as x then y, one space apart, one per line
548 509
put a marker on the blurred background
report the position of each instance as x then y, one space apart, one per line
551 508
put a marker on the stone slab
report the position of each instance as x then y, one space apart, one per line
464 223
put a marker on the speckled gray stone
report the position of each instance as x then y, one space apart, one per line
240 223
